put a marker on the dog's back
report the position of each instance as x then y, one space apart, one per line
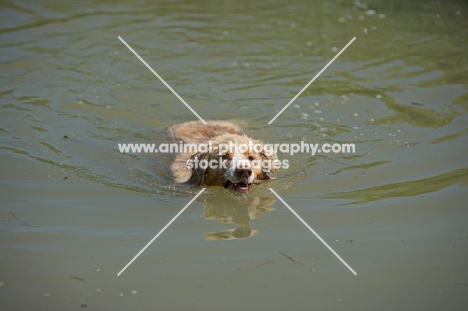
197 132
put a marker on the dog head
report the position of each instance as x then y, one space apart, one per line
233 161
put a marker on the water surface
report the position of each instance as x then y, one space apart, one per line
74 210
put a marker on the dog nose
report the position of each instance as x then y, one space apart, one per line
244 172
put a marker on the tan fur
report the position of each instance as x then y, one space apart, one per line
197 132
218 132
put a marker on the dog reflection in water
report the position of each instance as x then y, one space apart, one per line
239 211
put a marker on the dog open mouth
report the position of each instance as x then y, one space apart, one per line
241 187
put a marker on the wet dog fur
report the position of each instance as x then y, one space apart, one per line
239 175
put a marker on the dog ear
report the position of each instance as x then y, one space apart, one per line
182 168
194 157
268 165
198 173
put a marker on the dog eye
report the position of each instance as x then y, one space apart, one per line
251 158
225 157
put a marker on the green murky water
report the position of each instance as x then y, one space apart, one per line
74 211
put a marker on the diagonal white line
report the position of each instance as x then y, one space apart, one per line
312 230
162 80
160 232
308 84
